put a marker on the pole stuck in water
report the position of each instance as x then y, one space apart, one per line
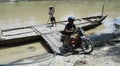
102 10
0 34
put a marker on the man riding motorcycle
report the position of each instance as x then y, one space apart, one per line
69 29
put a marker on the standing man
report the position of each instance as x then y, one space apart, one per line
51 13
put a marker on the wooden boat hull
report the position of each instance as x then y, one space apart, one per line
95 22
19 41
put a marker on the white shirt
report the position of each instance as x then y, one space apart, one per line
51 13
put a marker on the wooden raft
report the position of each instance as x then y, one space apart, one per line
53 40
50 34
52 37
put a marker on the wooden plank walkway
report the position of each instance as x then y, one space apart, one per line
21 33
51 35
53 40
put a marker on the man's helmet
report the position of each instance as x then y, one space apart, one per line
71 19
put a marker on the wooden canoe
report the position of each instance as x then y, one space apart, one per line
96 20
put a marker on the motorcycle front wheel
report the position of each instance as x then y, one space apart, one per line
87 46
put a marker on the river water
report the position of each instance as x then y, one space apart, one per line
24 13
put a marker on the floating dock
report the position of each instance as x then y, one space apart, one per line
50 34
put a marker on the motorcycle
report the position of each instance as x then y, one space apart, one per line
77 42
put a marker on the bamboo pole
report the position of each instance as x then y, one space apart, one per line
0 34
102 10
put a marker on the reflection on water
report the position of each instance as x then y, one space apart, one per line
36 12
110 25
